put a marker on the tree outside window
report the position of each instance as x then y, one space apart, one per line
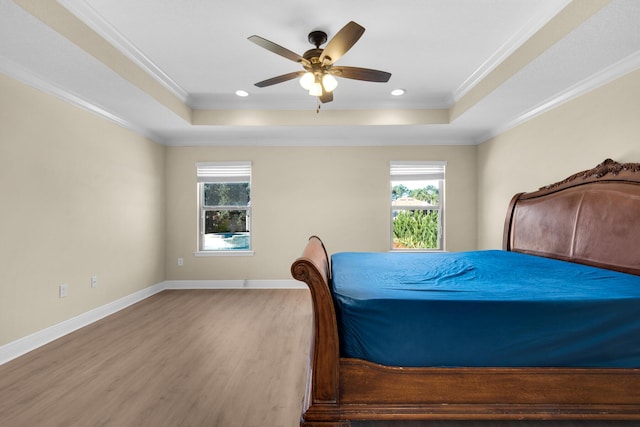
225 206
416 205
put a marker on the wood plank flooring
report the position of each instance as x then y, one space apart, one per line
228 358
180 358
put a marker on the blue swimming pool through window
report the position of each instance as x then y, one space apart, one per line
226 241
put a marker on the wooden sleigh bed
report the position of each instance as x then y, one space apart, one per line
592 218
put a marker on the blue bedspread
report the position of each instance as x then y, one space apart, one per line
484 308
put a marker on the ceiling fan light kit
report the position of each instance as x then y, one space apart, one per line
316 89
319 71
329 83
307 80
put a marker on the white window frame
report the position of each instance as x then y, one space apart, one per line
218 173
419 171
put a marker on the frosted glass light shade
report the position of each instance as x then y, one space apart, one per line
329 82
316 89
307 80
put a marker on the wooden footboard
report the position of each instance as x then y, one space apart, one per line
340 390
322 382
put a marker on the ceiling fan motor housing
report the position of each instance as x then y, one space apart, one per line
312 55
317 38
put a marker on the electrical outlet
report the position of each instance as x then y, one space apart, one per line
180 262
63 290
94 281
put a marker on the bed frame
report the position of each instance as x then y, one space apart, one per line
592 217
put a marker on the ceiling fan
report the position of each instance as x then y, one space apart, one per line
319 69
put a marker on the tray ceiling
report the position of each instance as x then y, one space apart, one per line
170 69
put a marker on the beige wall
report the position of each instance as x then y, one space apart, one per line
80 197
338 193
578 135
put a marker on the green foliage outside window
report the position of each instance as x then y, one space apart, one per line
223 197
430 193
225 221
419 228
415 230
226 194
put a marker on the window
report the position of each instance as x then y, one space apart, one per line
224 190
417 192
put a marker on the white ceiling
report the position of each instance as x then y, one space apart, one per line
471 68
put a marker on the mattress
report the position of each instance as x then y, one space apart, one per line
484 308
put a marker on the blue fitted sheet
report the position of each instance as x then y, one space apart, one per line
484 308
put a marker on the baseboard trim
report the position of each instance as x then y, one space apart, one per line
31 342
234 284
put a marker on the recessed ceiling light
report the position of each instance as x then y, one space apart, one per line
242 93
398 92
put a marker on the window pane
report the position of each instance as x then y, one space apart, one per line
226 194
225 221
415 229
424 191
226 230
226 241
417 200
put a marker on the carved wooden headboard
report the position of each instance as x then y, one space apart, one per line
592 217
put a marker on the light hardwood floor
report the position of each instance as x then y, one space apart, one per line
228 358
180 358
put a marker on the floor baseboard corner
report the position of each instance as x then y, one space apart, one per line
31 342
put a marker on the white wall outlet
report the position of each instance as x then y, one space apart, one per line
63 290
180 262
94 281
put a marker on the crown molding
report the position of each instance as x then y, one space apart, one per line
607 75
505 50
38 82
94 20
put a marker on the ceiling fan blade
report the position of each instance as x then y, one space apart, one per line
357 73
277 49
341 43
326 97
280 79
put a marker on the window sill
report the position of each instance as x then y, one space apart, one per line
223 253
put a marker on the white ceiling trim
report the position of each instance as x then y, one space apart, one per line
611 73
297 139
40 83
504 51
607 75
92 18
478 125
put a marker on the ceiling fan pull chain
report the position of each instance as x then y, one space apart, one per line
319 106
